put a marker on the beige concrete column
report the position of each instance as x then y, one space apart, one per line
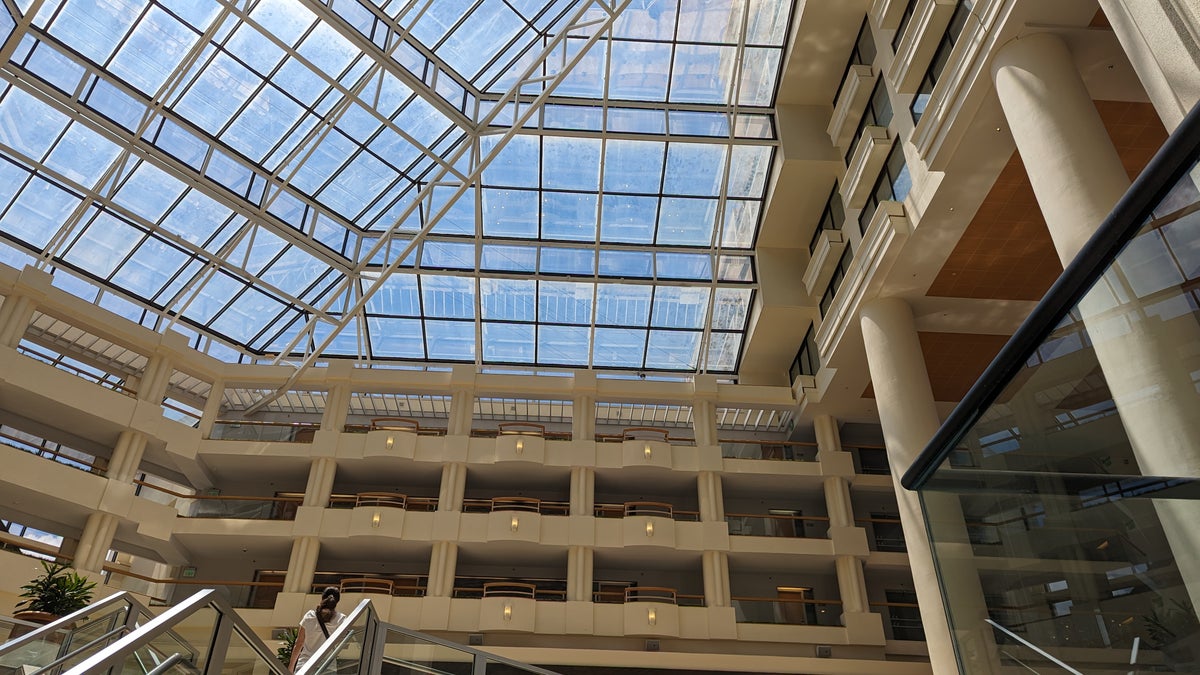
15 315
302 565
715 568
454 485
711 497
828 438
704 410
583 490
583 406
1073 167
95 541
212 408
579 573
126 456
851 584
837 502
1048 108
908 416
443 563
462 401
153 381
321 475
337 407
1162 40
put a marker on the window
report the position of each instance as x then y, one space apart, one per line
835 282
893 184
877 114
832 217
808 359
863 54
900 29
941 57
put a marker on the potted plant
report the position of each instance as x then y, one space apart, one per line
59 591
288 640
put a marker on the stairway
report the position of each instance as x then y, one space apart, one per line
204 635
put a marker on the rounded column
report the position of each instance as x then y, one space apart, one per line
1073 167
908 416
1078 177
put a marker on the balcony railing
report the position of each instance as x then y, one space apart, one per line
66 456
106 380
655 434
405 424
233 506
525 504
770 524
886 535
247 430
663 594
656 509
788 611
549 590
773 450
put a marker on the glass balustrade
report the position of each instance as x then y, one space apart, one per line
1062 498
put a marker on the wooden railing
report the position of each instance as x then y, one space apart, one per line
796 451
406 424
655 434
254 430
57 362
89 463
511 589
277 507
776 524
526 504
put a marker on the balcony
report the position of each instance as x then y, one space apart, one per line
793 451
653 509
788 611
771 524
277 432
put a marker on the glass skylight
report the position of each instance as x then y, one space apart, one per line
250 173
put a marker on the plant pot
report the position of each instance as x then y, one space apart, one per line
39 618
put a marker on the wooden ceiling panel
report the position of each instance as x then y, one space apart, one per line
954 361
1006 252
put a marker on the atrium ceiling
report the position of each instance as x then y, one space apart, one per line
509 183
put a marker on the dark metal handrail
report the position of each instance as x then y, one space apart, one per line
1172 161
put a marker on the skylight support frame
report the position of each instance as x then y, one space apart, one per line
611 11
384 58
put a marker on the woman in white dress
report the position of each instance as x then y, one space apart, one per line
316 626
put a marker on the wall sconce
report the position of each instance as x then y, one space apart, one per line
648 451
391 440
520 446
651 617
649 528
514 524
507 612
375 519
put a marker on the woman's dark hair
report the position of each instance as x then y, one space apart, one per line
329 601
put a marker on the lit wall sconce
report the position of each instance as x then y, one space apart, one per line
648 451
507 612
391 440
520 446
649 528
651 617
514 524
375 519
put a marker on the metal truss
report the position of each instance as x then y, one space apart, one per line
530 77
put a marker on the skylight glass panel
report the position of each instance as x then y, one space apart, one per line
619 348
103 244
509 342
673 349
509 299
576 248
